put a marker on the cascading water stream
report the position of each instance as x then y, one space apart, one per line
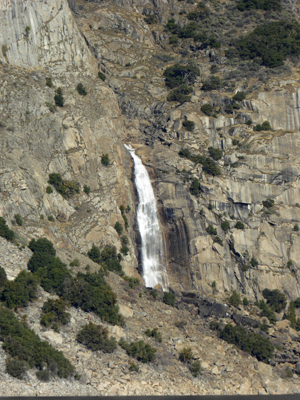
154 271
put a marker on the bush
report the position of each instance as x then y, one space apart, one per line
268 44
211 230
210 167
124 240
169 298
118 228
95 338
140 350
207 109
194 188
218 240
239 225
3 278
186 354
49 82
296 228
178 75
15 368
21 291
268 312
297 302
105 160
180 94
245 301
51 218
266 5
126 224
275 298
291 315
75 263
101 76
86 189
94 254
216 154
54 314
81 89
5 232
153 294
254 344
248 122
18 219
155 334
58 98
24 346
212 83
189 125
269 203
234 299
225 225
133 282
239 96
151 19
195 368
49 190
66 188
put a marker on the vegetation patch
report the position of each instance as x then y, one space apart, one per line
140 350
254 343
169 298
66 188
95 338
108 258
154 333
28 351
5 232
275 298
54 314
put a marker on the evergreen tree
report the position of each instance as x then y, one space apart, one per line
291 315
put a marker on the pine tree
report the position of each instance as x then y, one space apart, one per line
291 315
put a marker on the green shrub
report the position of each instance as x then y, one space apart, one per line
225 225
195 368
94 254
234 299
23 345
3 278
239 96
254 344
254 262
173 40
58 98
245 301
86 189
266 5
51 218
186 354
214 285
81 89
169 298
194 188
20 291
248 122
124 250
269 203
5 232
297 302
275 298
207 109
108 258
18 219
95 338
133 367
105 160
214 325
268 312
210 166
66 188
211 230
49 190
140 350
133 282
124 240
155 334
245 267
118 228
153 294
75 263
101 76
54 314
291 315
218 240
180 94
216 154
239 225
126 224
212 83
189 125
268 44
151 19
49 82
178 75
15 368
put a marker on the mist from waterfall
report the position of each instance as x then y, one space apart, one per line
152 241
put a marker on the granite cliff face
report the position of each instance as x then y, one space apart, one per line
70 42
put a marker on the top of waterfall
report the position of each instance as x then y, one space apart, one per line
128 147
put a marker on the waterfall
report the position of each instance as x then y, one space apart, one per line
153 254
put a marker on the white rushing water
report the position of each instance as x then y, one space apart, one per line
152 249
